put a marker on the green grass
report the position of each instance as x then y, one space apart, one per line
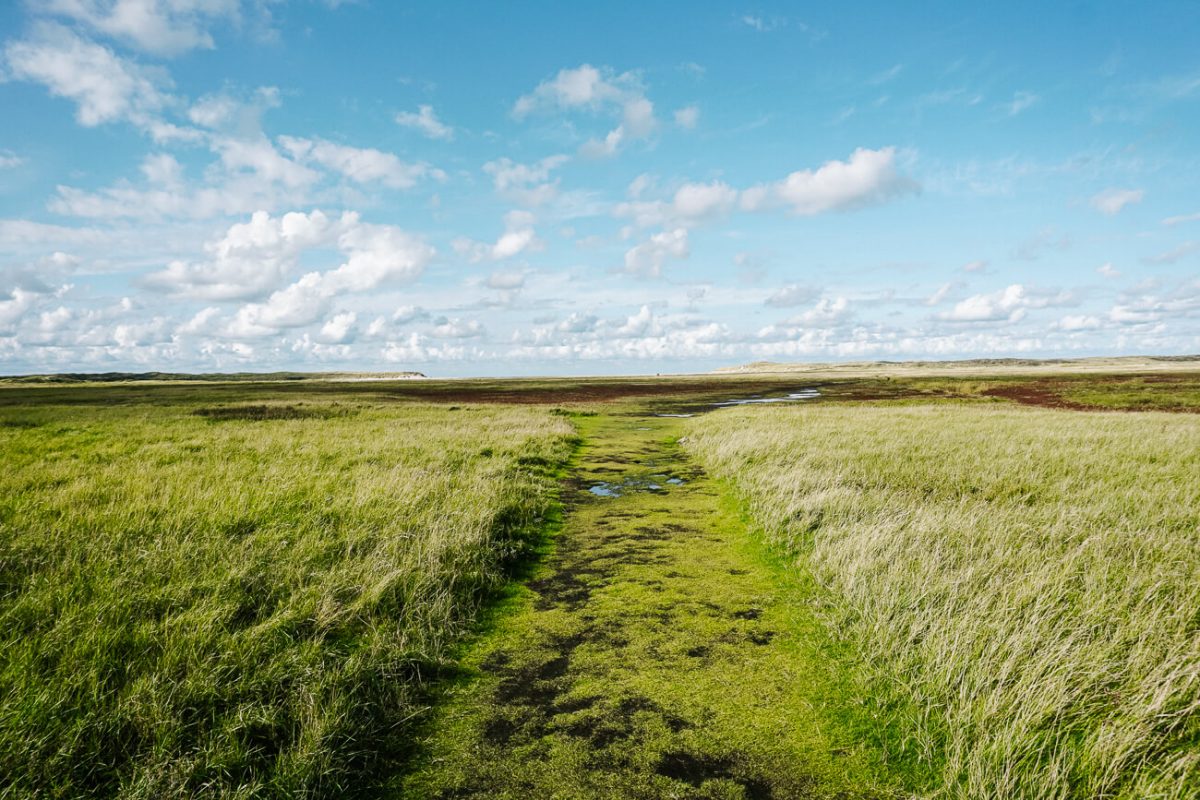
1167 393
247 599
1022 584
663 651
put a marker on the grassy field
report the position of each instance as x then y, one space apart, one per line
1022 584
976 585
245 599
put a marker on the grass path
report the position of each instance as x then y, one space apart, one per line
659 653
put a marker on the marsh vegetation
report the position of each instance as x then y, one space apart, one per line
903 585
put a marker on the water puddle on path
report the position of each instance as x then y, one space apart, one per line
629 485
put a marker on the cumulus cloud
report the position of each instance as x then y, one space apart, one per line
339 329
1111 201
162 27
788 296
588 88
1108 271
425 122
687 117
375 255
506 281
251 258
103 86
519 235
869 177
455 328
647 258
1009 304
359 164
525 184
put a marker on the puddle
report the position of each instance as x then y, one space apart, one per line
679 416
675 481
608 489
803 394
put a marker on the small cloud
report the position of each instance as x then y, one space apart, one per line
789 296
1072 323
1044 240
1174 254
978 265
1171 222
940 295
1108 270
687 117
9 159
1021 101
426 122
887 75
760 24
1111 201
506 281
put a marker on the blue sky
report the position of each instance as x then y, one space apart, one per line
537 188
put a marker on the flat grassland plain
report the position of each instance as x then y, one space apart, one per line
981 582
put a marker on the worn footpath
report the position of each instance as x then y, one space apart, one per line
661 652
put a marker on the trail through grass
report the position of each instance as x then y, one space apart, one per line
661 653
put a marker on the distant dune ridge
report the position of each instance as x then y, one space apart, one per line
985 365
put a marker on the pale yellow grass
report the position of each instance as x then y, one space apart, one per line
1023 584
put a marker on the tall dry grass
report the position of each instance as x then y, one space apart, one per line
245 605
1023 585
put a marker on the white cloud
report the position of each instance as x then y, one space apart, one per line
518 236
506 281
162 27
1171 222
695 201
867 178
339 329
425 121
251 258
940 295
361 165
760 23
827 311
1111 201
687 117
162 169
587 88
1174 254
1081 322
104 86
1021 101
647 258
1108 271
691 204
254 257
978 265
788 296
9 159
444 328
525 184
1004 305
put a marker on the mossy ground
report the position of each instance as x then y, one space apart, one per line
661 652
